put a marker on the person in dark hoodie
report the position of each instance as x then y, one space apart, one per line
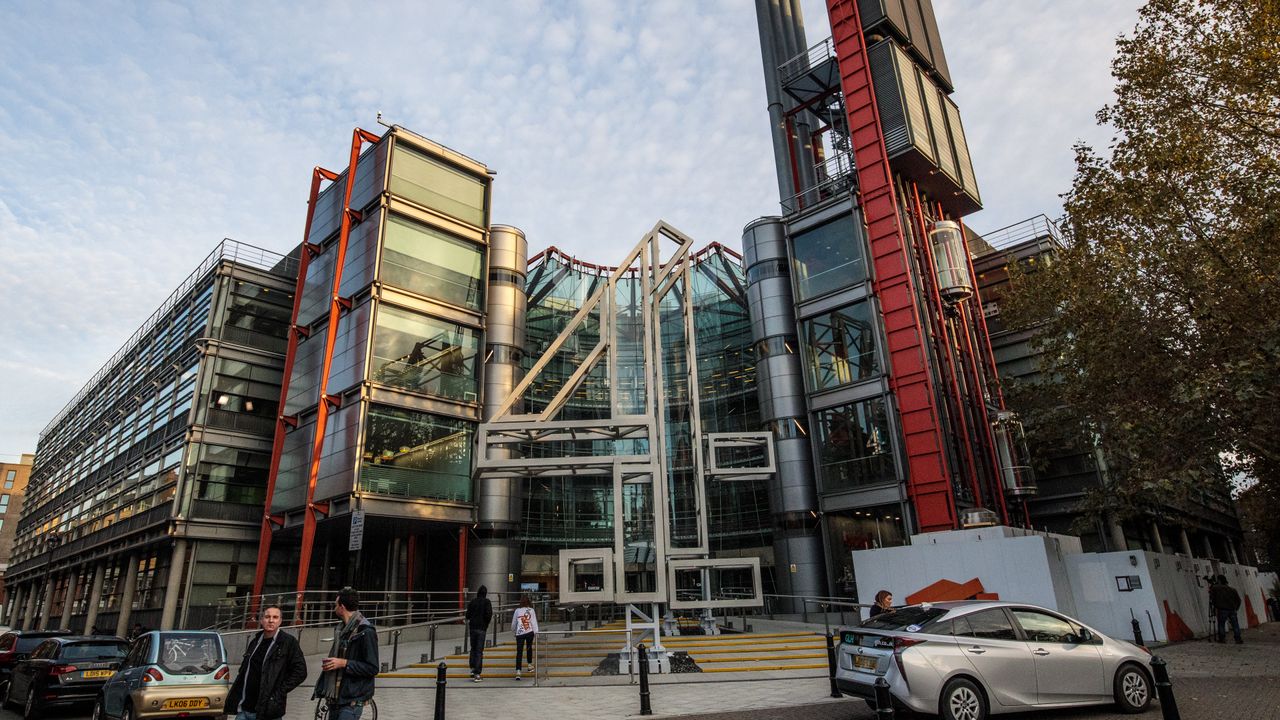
479 614
347 681
272 667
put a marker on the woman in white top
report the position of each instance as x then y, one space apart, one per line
524 624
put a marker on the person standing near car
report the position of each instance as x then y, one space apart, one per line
272 667
347 681
479 615
1226 602
524 625
884 603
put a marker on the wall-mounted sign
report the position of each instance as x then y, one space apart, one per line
357 531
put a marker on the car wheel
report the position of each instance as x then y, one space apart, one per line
962 699
127 713
98 713
30 711
1133 689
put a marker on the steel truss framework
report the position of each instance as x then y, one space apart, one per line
635 442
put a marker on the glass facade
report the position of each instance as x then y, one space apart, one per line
421 259
424 354
840 347
416 454
434 184
854 447
827 258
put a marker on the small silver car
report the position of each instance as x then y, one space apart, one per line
967 660
171 673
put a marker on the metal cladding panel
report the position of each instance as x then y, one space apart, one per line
337 474
941 72
508 249
910 378
915 29
781 389
902 111
764 239
885 16
968 181
938 131
506 315
772 308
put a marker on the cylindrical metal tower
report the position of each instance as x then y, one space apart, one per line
793 497
493 556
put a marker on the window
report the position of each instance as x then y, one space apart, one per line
9 477
415 454
988 625
1045 628
420 353
828 258
854 446
434 184
840 347
429 262
924 619
4 503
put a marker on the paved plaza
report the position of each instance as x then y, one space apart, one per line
1211 682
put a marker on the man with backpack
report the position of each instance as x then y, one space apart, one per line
1226 603
479 615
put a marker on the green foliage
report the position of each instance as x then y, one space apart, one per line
1160 322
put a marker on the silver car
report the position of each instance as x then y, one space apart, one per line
966 660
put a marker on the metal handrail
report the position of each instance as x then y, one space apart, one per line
802 63
1039 227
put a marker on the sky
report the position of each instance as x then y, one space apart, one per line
135 136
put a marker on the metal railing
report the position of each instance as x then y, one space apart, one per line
1039 227
807 60
834 175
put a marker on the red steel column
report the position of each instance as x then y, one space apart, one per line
283 422
328 403
928 479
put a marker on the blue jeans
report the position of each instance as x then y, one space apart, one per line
346 712
246 716
1224 617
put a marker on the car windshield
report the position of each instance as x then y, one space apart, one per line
189 653
94 650
916 618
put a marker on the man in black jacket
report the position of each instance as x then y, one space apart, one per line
479 614
271 668
1226 603
347 681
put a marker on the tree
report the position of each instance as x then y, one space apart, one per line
1160 322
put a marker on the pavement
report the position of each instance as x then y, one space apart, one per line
1211 682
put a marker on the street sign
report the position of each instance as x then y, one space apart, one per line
357 531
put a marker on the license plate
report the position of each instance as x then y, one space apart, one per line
98 673
865 662
186 704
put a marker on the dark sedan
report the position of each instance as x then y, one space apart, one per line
64 671
16 645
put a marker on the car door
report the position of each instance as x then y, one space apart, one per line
1067 670
1002 660
117 688
25 671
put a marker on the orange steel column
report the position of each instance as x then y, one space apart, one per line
283 422
910 377
327 402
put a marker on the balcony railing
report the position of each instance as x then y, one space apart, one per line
1039 227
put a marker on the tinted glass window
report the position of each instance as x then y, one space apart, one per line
855 447
26 644
1042 627
6 643
93 651
189 654
911 619
828 258
840 347
988 624
46 649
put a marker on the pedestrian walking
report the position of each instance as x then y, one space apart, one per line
479 615
272 667
1226 603
347 681
884 603
524 625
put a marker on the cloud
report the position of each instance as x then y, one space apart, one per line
135 137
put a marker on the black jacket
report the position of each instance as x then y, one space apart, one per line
362 664
282 670
479 613
1224 597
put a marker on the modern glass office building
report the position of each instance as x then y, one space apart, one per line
147 488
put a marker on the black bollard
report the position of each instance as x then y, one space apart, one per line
884 701
831 666
1164 690
645 708
395 649
1137 633
442 679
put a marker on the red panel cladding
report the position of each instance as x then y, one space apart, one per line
928 477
